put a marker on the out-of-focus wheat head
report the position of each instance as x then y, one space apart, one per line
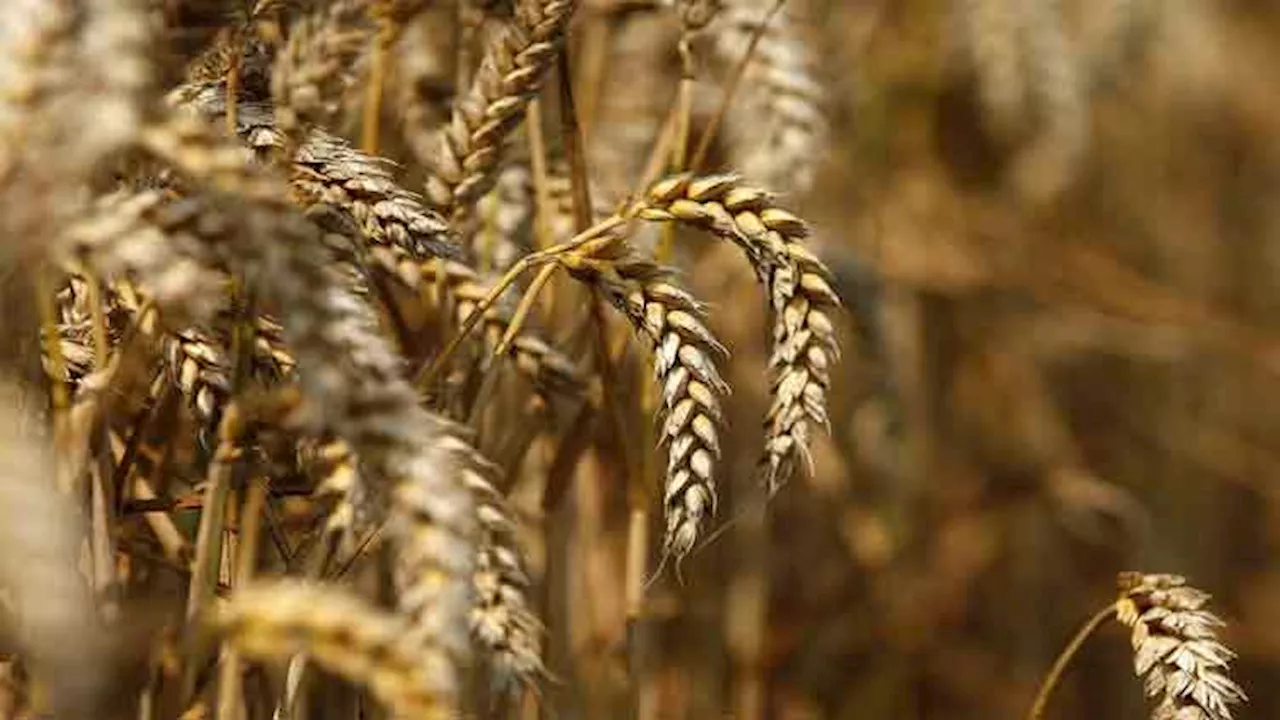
54 615
356 641
779 131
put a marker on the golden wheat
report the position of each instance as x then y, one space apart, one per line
804 341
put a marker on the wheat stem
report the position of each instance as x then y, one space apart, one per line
522 310
1064 659
430 374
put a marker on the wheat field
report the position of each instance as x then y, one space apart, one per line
643 359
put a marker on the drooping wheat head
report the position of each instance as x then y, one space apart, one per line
685 352
804 340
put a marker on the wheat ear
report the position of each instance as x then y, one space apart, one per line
144 236
501 621
310 72
354 380
1176 649
804 340
684 353
344 635
399 231
466 164
74 81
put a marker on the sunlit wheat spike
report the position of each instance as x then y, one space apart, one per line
75 328
548 370
804 337
74 81
344 635
351 370
689 384
779 132
465 165
199 367
354 381
52 609
502 621
1176 648
400 230
335 470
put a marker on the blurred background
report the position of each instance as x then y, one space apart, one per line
1057 225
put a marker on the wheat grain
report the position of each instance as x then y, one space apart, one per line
1176 649
804 342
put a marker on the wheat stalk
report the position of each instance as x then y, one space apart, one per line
549 371
804 341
